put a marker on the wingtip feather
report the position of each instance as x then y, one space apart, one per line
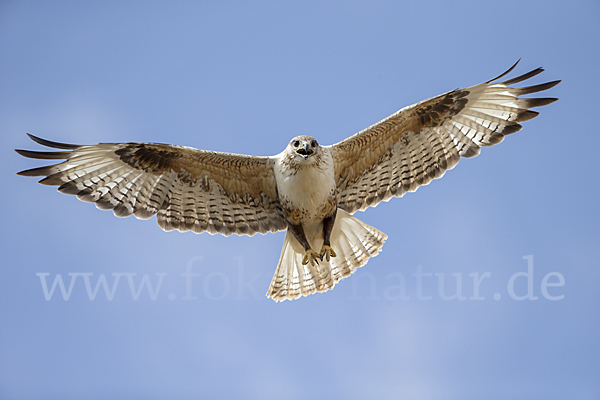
56 145
44 155
523 77
505 72
39 171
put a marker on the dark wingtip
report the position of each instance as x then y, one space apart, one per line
55 145
44 155
505 72
39 171
536 88
523 77
553 83
539 102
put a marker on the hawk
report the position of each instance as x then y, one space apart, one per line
308 189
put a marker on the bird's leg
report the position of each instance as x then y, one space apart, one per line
326 250
309 254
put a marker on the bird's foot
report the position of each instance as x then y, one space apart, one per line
310 256
327 252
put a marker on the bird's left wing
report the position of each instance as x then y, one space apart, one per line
420 142
189 189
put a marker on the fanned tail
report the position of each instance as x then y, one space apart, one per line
353 241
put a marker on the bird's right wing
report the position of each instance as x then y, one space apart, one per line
189 189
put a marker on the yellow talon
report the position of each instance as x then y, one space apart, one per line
310 256
327 252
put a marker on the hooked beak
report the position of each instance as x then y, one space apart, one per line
305 151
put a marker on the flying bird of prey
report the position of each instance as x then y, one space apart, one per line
308 189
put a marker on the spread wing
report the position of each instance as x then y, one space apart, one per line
189 189
420 142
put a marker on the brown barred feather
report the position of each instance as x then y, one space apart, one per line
420 142
188 189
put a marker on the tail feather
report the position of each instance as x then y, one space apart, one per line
353 241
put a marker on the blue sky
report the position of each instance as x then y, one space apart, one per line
246 77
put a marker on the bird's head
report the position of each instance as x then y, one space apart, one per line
304 147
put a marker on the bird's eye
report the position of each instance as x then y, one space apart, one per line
313 143
296 143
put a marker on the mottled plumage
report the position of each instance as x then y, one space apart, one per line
308 189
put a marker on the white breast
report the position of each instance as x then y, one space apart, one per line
307 186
